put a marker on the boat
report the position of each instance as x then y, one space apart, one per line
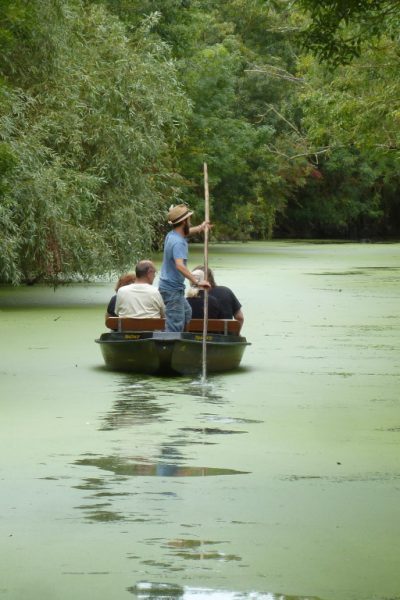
142 346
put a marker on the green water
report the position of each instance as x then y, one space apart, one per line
281 480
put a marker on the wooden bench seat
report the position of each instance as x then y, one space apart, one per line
225 326
131 324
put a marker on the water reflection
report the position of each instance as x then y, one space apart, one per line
199 550
357 271
350 478
143 400
99 507
229 420
137 466
166 591
133 408
98 513
154 387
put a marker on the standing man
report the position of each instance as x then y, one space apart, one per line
140 299
174 269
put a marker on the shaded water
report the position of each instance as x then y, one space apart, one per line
281 480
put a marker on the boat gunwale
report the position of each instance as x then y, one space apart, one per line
160 337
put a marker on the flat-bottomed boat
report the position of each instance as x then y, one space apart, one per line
142 346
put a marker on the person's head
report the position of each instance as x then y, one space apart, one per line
179 216
125 279
210 275
145 271
194 289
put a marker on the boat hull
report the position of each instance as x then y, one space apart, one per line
170 353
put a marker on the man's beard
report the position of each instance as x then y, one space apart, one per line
186 228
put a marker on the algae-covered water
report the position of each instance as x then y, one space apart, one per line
280 480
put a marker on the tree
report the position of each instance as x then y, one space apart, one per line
340 29
93 134
341 199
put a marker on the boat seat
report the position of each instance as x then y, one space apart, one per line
225 326
131 324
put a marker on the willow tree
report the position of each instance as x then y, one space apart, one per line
90 117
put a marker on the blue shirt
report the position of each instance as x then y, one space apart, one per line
175 246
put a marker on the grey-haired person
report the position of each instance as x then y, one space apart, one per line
195 297
141 299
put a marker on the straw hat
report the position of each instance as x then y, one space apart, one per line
178 213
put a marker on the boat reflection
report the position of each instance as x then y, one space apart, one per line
133 408
137 466
143 400
148 386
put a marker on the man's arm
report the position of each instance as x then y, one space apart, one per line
239 316
199 228
161 305
180 265
117 304
111 307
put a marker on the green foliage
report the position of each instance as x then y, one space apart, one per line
340 29
358 104
234 60
108 109
93 141
8 250
232 124
341 199
352 113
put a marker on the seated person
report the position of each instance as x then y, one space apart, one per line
141 299
125 279
230 305
195 297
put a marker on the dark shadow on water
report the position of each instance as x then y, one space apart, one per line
340 479
210 430
339 274
64 296
380 268
356 271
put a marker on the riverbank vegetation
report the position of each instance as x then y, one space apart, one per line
108 109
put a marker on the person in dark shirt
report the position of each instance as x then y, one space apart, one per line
229 304
125 279
195 297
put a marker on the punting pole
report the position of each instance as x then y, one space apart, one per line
205 323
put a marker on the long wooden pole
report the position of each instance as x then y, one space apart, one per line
205 323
